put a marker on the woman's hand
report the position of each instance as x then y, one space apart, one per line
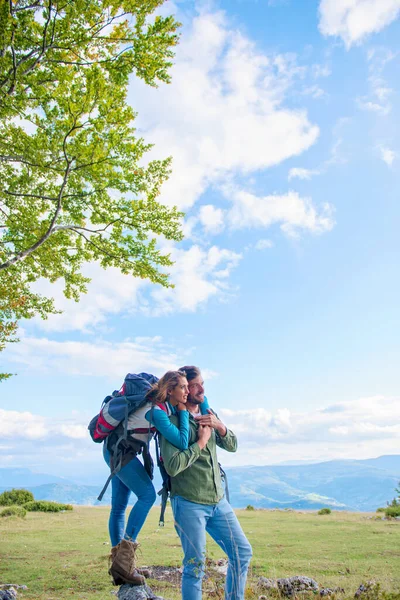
204 436
181 406
211 420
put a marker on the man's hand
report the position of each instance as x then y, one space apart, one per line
212 421
204 436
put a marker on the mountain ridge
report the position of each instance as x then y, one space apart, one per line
346 484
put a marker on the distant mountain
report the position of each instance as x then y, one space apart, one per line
361 485
71 493
10 478
390 463
50 487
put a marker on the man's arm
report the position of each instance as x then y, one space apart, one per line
227 442
176 461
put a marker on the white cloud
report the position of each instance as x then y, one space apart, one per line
263 244
21 424
321 71
373 106
301 173
355 429
379 99
315 92
224 112
59 445
110 292
197 277
336 155
388 156
212 218
353 20
209 374
89 359
28 426
291 211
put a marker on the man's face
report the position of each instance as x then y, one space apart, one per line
196 390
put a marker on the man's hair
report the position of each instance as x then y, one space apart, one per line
191 372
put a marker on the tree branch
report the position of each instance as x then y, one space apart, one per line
33 5
14 67
76 228
29 195
21 159
25 253
89 241
41 50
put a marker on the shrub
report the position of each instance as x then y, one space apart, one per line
46 506
249 507
13 511
392 511
394 502
324 511
15 496
381 509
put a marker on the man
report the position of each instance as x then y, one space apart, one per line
197 497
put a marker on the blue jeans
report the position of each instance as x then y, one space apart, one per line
191 523
131 478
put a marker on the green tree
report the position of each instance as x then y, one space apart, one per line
74 186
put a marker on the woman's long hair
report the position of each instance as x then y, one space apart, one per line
159 391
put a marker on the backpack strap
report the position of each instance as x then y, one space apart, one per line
166 480
224 478
166 485
115 463
117 455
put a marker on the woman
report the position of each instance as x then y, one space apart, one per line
170 393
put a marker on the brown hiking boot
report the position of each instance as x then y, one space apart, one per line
116 580
145 572
123 564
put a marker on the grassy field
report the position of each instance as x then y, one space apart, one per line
64 555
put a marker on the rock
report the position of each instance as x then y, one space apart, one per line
364 588
290 586
267 584
221 566
9 594
329 591
137 592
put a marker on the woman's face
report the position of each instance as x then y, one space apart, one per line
179 393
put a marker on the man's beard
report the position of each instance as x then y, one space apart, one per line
194 401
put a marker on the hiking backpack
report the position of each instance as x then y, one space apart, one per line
129 404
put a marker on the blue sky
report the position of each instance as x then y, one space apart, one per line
283 122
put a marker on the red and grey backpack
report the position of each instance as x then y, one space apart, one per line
122 425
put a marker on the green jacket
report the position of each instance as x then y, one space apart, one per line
195 473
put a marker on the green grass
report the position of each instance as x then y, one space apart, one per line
64 555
